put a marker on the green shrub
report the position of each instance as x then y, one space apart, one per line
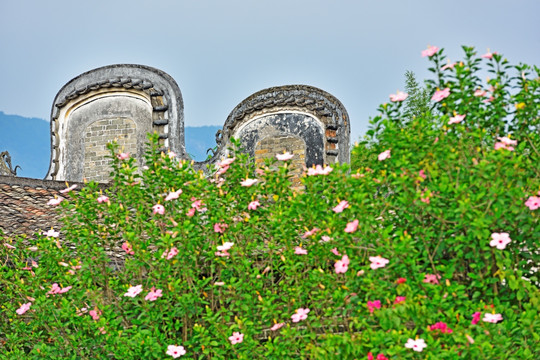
408 249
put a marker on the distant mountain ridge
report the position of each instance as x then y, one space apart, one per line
27 141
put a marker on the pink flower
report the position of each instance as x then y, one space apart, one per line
226 246
9 246
24 308
533 202
488 100
248 182
196 204
440 95
226 162
318 170
153 294
384 155
378 262
480 93
220 227
68 189
254 205
51 233
430 51
55 201
399 299
222 253
500 240
122 156
170 254
335 252
173 195
102 199
476 318
352 226
134 291
277 326
381 357
158 209
310 232
488 55
492 318
448 66
236 338
95 314
370 356
102 330
175 351
469 338
422 174
399 96
325 238
442 327
284 157
432 279
301 314
341 206
127 248
55 289
372 305
342 265
191 212
416 345
456 119
299 251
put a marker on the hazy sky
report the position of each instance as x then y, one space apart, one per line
221 51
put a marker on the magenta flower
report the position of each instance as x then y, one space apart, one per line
248 182
284 157
254 205
341 206
500 240
175 351
399 299
158 209
384 155
430 51
399 96
134 291
236 338
68 189
440 95
442 327
173 195
352 226
372 305
51 233
342 265
456 119
378 262
492 318
476 318
299 251
102 199
220 227
127 248
431 279
24 308
533 202
277 326
55 201
153 295
416 345
301 314
370 356
123 156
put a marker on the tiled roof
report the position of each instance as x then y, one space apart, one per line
23 205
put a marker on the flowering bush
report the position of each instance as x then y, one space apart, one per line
426 250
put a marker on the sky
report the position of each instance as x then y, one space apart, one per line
221 51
